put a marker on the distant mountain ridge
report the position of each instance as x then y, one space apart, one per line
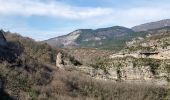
83 36
152 25
113 38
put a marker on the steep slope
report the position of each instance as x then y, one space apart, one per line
23 66
37 50
90 38
152 25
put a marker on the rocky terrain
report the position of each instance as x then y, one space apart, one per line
143 59
145 53
31 70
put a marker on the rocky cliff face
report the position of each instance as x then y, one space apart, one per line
131 69
64 41
63 60
127 69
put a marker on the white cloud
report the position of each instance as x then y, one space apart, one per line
54 9
126 16
132 16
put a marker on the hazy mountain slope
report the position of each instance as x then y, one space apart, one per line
89 38
152 25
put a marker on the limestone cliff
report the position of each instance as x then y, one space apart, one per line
127 69
131 69
63 60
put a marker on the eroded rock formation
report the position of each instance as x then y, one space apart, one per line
64 60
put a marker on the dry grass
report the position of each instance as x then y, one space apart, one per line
72 85
88 56
32 80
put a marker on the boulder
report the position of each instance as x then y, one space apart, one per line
60 60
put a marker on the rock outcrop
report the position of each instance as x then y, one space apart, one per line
131 70
60 60
121 69
153 46
63 61
164 54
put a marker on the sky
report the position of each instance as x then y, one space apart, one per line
44 19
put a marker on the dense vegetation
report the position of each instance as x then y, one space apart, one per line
36 50
114 44
23 66
159 41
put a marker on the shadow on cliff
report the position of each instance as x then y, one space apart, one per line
3 94
10 52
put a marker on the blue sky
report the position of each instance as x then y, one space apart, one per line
44 19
